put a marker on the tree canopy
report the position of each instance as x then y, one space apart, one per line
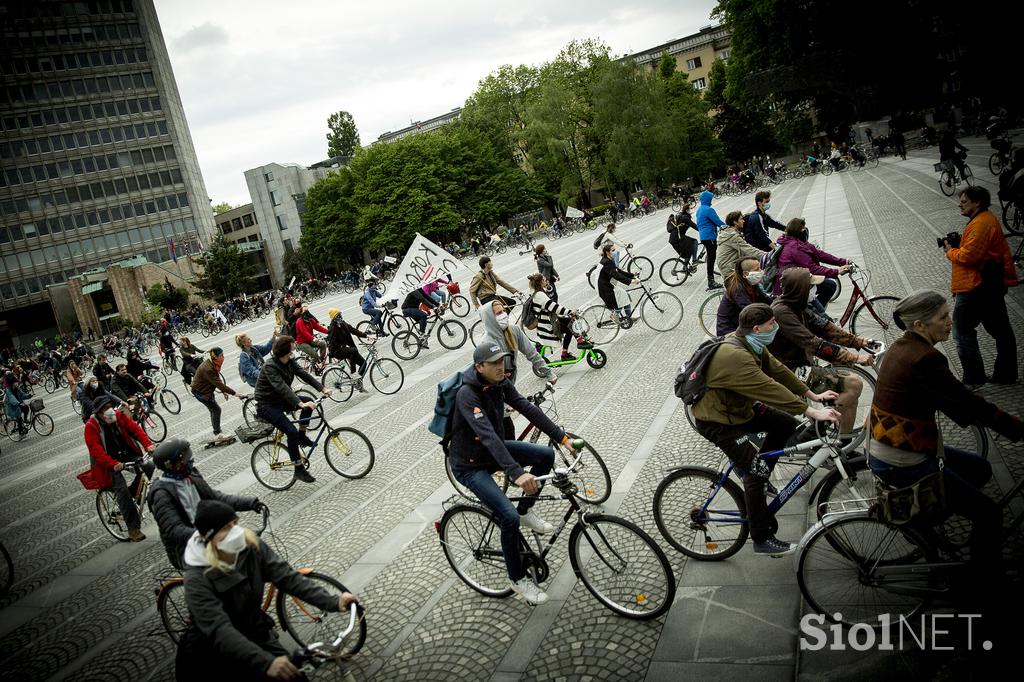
222 207
226 271
342 136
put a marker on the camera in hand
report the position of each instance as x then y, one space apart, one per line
953 238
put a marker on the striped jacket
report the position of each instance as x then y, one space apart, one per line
543 307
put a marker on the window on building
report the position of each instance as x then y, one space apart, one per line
692 64
287 245
723 55
268 176
274 199
280 223
699 84
247 220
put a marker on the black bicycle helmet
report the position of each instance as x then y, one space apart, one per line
170 452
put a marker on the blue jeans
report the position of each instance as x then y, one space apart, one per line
540 459
988 308
965 474
280 420
375 316
418 315
826 290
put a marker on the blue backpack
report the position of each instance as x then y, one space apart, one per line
444 408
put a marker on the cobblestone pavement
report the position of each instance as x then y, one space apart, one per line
82 606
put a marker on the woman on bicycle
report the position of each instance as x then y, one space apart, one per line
275 397
609 237
546 267
554 323
113 439
191 356
684 245
614 296
341 345
229 636
92 392
732 246
742 287
950 149
915 382
797 252
74 375
15 406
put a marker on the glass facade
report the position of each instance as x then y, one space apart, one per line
95 167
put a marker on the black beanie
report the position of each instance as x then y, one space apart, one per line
211 516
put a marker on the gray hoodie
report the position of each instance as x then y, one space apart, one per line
494 333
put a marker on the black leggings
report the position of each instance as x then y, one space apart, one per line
711 249
352 355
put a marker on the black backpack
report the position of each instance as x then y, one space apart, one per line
691 381
770 265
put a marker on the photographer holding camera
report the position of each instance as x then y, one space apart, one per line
982 270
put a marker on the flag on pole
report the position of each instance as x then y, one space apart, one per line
170 243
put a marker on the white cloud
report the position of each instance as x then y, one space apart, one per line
258 79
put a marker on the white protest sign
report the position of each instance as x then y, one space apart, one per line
390 259
425 262
291 283
573 212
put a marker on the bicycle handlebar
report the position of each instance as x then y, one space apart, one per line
578 444
320 650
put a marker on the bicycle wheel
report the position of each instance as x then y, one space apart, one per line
49 384
708 313
1013 219
641 267
170 603
995 163
593 482
622 566
349 452
166 368
968 175
459 305
154 426
307 623
698 517
271 465
500 480
42 423
947 184
12 431
873 319
471 543
110 514
387 376
339 381
249 412
662 311
837 570
597 358
396 324
169 401
405 345
451 334
476 333
674 272
834 488
602 322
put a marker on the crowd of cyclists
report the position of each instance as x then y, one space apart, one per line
775 359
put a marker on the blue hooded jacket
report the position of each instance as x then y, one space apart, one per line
708 221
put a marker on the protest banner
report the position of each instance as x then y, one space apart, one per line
425 262
573 212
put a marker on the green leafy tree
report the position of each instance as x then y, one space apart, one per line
295 264
343 137
329 223
222 207
174 299
226 271
742 126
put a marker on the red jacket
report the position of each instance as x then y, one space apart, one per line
102 463
304 330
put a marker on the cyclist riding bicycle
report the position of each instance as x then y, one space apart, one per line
167 344
484 286
368 304
805 335
229 636
125 386
341 345
305 339
175 495
275 397
412 310
554 323
16 405
613 293
477 450
950 149
748 392
113 439
250 360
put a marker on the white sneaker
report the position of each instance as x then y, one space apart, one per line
529 591
535 523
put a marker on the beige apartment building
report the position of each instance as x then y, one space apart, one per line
694 54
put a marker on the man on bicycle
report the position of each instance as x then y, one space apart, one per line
205 384
113 439
749 392
125 386
275 397
341 346
368 304
477 450
174 497
411 309
484 286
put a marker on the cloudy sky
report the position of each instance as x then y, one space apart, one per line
258 79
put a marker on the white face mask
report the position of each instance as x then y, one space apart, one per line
812 293
754 276
502 319
234 541
767 205
109 416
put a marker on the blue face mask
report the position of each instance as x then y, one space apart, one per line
759 340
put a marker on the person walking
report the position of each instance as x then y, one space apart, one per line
982 271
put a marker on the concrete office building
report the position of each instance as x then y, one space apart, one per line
694 54
241 227
98 161
420 127
278 193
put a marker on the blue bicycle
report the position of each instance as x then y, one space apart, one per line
702 513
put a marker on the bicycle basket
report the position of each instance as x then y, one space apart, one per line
36 404
391 305
453 288
88 482
251 434
944 166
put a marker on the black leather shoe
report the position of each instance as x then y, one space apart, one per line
303 475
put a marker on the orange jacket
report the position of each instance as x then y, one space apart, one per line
983 240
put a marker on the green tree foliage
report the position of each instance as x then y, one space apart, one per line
343 137
174 299
742 126
329 224
295 264
222 207
226 271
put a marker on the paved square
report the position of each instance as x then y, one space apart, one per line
82 606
